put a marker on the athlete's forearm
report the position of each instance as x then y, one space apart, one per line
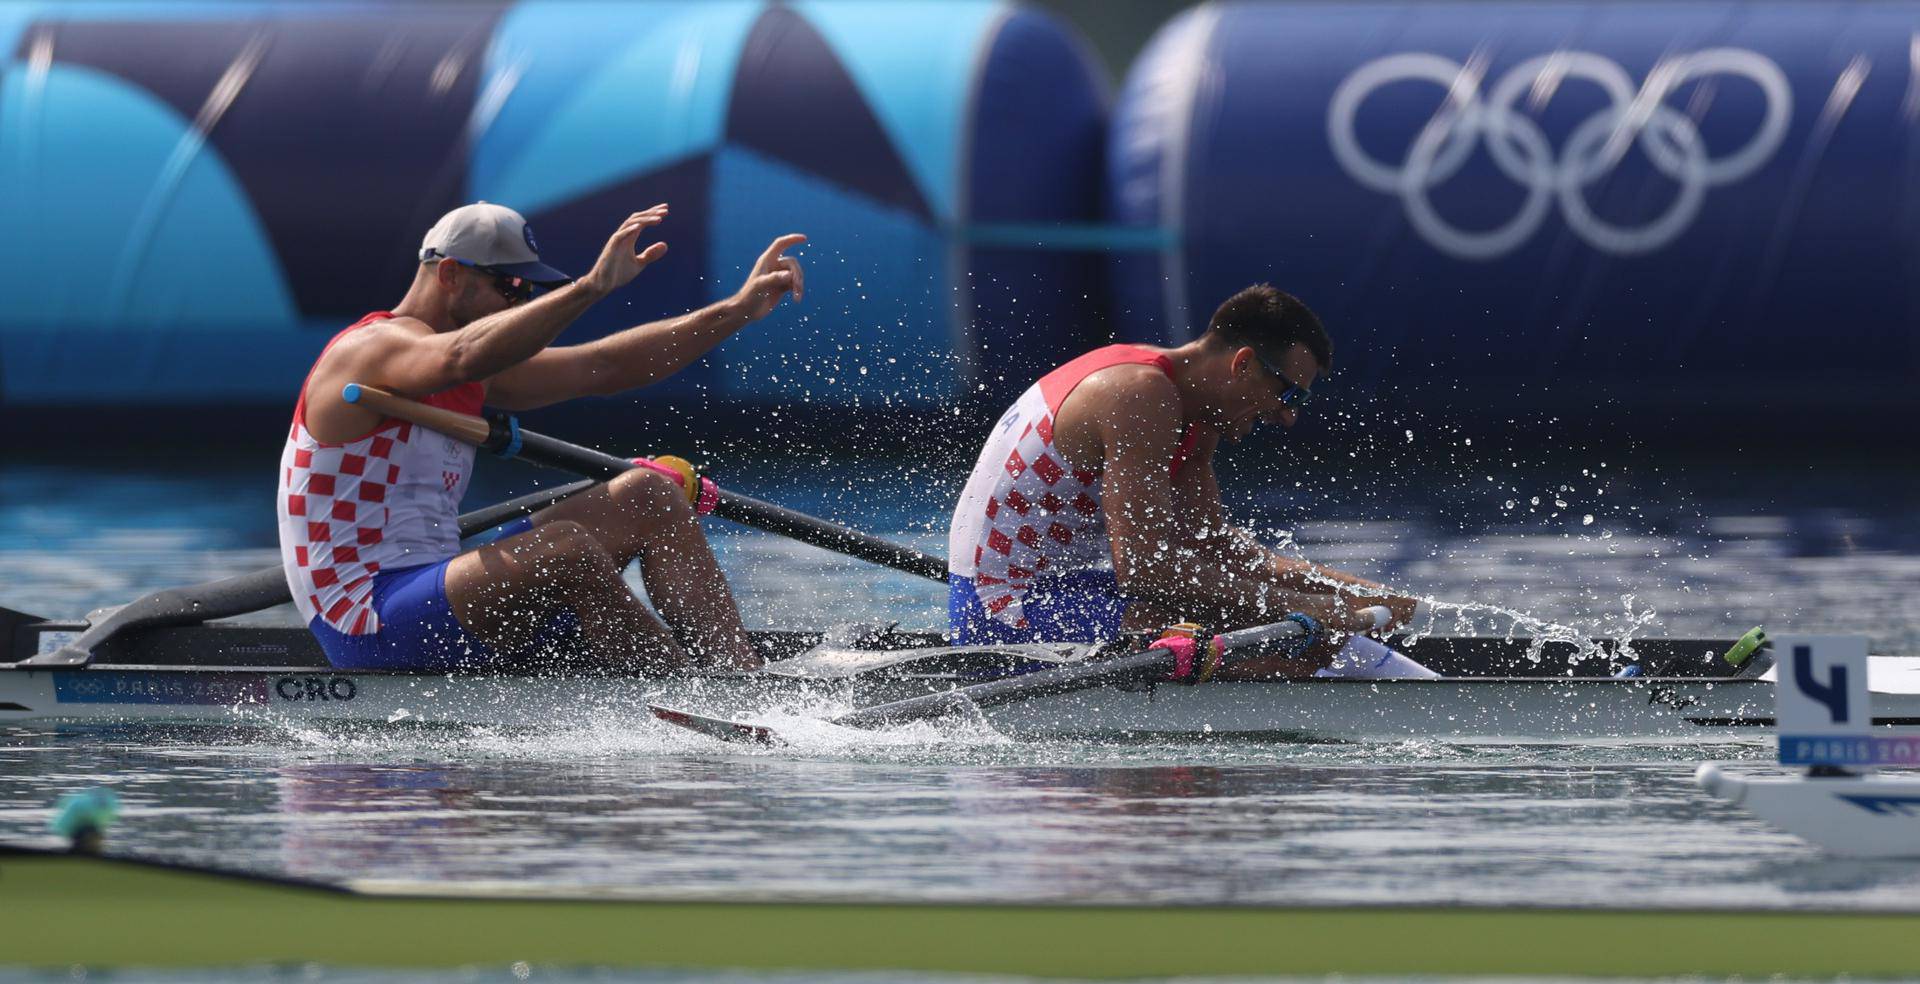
645 354
1237 574
499 342
1307 576
1213 595
1240 549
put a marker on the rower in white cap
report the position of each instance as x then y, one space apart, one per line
368 504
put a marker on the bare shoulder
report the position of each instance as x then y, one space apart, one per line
1131 391
373 343
378 334
1125 408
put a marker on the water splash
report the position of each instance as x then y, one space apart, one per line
1487 619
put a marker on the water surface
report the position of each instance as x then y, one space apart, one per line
955 812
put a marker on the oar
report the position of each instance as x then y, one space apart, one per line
243 593
503 436
1158 661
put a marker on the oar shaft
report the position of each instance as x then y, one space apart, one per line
555 453
761 515
488 517
1065 679
747 510
505 437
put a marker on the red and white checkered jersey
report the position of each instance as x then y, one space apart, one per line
1024 509
386 501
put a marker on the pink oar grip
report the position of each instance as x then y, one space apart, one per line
1182 648
703 496
660 469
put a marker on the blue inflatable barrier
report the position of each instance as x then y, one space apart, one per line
1704 203
196 195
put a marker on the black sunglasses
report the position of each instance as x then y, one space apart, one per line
517 290
1294 397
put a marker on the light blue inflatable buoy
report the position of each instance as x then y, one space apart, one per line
83 818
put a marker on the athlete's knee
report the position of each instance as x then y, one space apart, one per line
650 494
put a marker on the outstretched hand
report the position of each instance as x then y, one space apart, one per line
618 263
773 275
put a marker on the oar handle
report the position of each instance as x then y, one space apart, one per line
454 424
501 435
505 437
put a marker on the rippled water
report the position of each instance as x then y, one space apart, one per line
947 816
955 812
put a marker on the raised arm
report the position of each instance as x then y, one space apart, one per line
645 354
500 341
416 361
407 356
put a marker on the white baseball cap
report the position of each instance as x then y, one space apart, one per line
491 236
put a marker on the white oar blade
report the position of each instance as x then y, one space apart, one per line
712 727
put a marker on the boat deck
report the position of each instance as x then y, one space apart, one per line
227 644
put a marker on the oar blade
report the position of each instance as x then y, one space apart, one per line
737 732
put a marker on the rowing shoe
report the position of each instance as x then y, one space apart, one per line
1168 657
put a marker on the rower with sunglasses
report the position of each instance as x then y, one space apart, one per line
1093 508
368 504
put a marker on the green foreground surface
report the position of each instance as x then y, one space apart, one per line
65 910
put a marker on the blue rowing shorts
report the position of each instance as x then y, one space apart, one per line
418 630
1081 606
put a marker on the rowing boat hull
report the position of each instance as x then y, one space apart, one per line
1507 689
1317 709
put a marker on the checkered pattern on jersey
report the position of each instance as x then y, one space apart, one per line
1024 511
383 502
334 509
1038 510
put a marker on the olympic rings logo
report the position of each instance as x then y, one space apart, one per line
1517 145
